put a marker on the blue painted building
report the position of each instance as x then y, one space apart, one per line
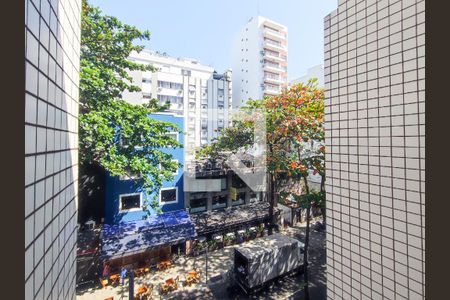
124 197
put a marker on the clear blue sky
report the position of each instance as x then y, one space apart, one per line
204 29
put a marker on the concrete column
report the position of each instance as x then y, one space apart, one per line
209 201
229 182
247 196
187 199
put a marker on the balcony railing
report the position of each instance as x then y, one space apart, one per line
275 77
272 89
274 44
274 33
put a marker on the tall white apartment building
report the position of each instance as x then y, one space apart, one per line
194 91
259 60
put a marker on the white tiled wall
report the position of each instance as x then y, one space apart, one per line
375 132
51 150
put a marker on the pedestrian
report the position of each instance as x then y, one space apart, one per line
123 274
106 270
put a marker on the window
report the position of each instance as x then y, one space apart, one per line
170 99
161 167
146 80
147 95
219 202
198 205
168 195
170 85
130 202
240 199
173 135
220 92
186 72
255 197
127 177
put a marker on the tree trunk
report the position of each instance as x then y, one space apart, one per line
305 254
323 206
271 194
271 202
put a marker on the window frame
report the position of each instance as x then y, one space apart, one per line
177 171
165 189
130 209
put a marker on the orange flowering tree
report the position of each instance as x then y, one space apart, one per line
294 126
295 135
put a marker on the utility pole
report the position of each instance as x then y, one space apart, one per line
131 286
206 265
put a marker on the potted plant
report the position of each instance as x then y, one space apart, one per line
199 248
247 235
260 231
229 238
212 245
241 236
252 232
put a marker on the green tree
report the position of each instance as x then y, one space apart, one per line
293 119
119 136
294 123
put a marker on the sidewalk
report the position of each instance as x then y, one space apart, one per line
219 262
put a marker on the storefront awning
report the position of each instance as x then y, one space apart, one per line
223 220
131 238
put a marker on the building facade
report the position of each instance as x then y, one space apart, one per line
375 160
52 53
313 72
195 91
234 192
125 198
259 60
199 101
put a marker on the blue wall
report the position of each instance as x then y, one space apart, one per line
114 187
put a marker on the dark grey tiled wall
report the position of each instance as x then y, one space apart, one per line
375 135
52 33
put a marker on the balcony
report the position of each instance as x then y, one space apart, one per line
273 68
274 57
272 90
272 45
273 79
274 34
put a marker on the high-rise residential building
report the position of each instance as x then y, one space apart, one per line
313 72
375 160
259 60
52 51
195 91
